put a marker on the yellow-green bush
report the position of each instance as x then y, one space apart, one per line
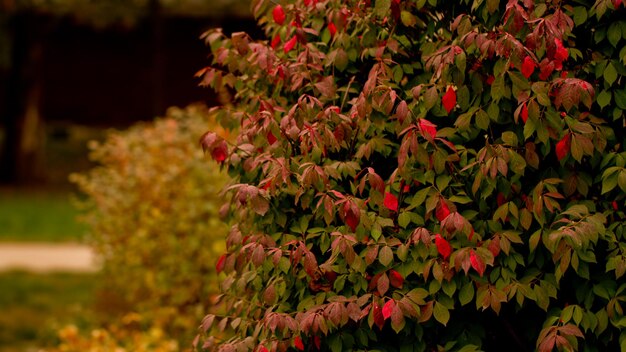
152 208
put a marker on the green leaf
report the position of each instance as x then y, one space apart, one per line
467 293
408 19
609 183
385 256
604 98
441 313
381 8
610 74
614 33
580 15
620 98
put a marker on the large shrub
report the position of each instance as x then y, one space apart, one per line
424 176
152 210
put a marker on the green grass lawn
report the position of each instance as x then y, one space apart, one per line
34 306
30 215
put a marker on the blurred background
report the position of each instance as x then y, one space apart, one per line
71 70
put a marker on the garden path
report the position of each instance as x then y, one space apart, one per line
47 257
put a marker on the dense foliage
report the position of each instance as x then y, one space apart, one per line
152 210
424 176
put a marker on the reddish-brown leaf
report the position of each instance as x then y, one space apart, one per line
442 210
443 247
395 279
351 215
449 99
379 320
528 67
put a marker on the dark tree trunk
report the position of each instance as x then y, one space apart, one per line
21 159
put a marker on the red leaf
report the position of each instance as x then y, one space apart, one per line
500 199
427 129
262 348
563 147
524 113
219 266
443 247
528 66
545 69
388 308
219 152
494 246
290 44
318 342
616 3
561 53
271 139
275 41
297 342
442 211
391 202
279 14
449 99
395 279
477 263
332 29
490 80
614 204
379 320
351 215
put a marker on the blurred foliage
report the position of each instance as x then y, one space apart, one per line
34 306
152 208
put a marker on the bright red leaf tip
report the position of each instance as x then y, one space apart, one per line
563 147
318 342
616 3
449 99
614 205
427 129
442 211
262 349
290 44
477 263
395 279
528 66
275 41
490 80
279 14
221 262
388 308
443 247
332 29
297 343
524 112
391 202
